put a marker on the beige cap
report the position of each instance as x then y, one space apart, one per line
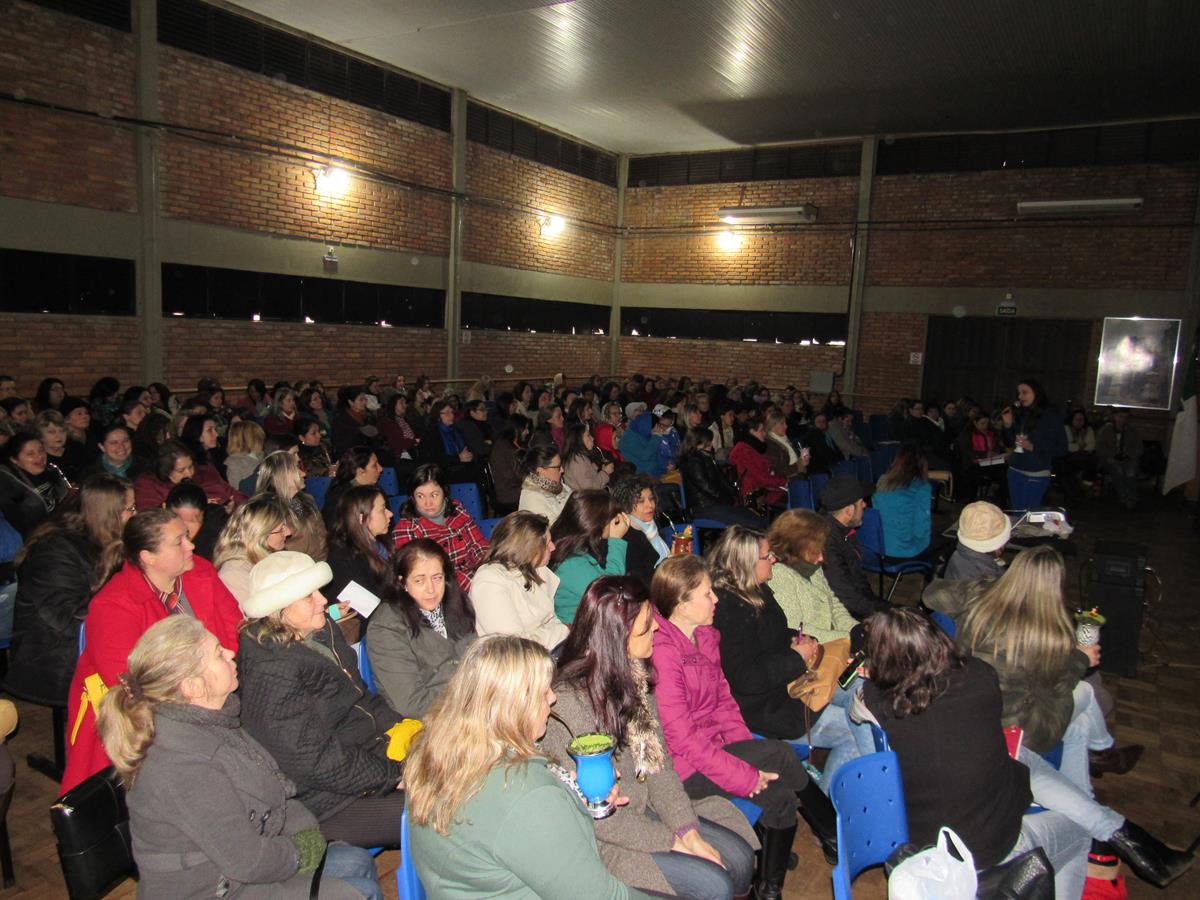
983 527
281 579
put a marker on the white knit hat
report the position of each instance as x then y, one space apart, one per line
983 527
281 579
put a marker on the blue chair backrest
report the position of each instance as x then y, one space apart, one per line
748 808
487 526
82 639
871 819
878 424
408 882
817 483
880 737
945 623
317 486
249 484
870 538
845 467
683 504
864 434
1026 491
467 494
364 667
800 494
395 503
389 481
863 470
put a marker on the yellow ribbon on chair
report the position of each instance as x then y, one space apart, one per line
94 690
400 737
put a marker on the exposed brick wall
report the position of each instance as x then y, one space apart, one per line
512 237
816 255
1123 252
884 371
776 365
258 192
531 355
77 349
234 352
55 157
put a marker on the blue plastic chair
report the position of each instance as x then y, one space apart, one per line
748 808
868 795
845 467
317 486
82 639
487 526
389 481
863 431
817 483
395 503
364 667
697 524
1026 491
945 623
408 882
883 455
870 539
878 424
863 469
800 494
467 493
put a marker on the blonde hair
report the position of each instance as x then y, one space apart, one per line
245 535
484 718
518 542
277 473
1023 617
733 559
170 652
246 437
797 536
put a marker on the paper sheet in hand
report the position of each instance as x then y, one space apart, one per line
360 599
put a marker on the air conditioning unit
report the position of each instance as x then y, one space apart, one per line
804 214
1075 208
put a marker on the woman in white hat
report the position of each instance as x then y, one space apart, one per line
983 532
303 699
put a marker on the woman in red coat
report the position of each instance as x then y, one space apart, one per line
160 578
174 464
431 513
754 470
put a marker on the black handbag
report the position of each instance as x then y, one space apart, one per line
91 825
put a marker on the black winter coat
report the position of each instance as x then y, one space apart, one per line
22 504
759 662
53 593
318 720
844 572
703 483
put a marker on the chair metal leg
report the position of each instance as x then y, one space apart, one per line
6 862
895 582
53 769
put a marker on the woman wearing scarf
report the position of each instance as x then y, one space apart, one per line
647 546
543 491
444 446
431 513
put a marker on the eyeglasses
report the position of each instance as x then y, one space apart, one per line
129 509
770 555
552 467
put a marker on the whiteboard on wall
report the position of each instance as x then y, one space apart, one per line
820 382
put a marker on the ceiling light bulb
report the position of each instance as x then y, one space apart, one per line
333 182
729 240
553 226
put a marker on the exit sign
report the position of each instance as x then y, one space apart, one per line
1007 308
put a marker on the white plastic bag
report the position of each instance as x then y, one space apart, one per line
936 873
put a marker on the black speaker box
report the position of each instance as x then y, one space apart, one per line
1117 587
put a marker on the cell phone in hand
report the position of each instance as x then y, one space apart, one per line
851 673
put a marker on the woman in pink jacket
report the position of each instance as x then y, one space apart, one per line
714 751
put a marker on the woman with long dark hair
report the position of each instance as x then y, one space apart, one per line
432 513
30 487
63 563
663 840
511 438
359 465
581 469
1033 430
588 542
418 636
543 491
709 494
358 527
50 393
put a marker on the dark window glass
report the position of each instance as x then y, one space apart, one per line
113 13
734 325
500 313
63 283
201 292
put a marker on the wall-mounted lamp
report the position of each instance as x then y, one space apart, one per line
332 181
729 240
803 213
552 226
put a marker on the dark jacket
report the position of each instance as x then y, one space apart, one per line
1044 428
412 670
477 435
345 432
844 572
324 728
823 452
640 556
505 476
703 483
955 766
53 593
210 797
759 662
25 502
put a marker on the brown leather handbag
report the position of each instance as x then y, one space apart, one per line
816 687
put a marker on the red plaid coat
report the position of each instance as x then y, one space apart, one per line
460 537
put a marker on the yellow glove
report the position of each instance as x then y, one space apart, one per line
400 737
94 690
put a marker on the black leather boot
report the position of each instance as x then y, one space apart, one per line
773 861
1149 858
818 812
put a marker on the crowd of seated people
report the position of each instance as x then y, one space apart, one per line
139 506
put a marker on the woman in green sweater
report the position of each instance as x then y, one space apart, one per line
589 541
797 538
489 815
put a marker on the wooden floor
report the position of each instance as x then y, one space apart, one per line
1160 709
